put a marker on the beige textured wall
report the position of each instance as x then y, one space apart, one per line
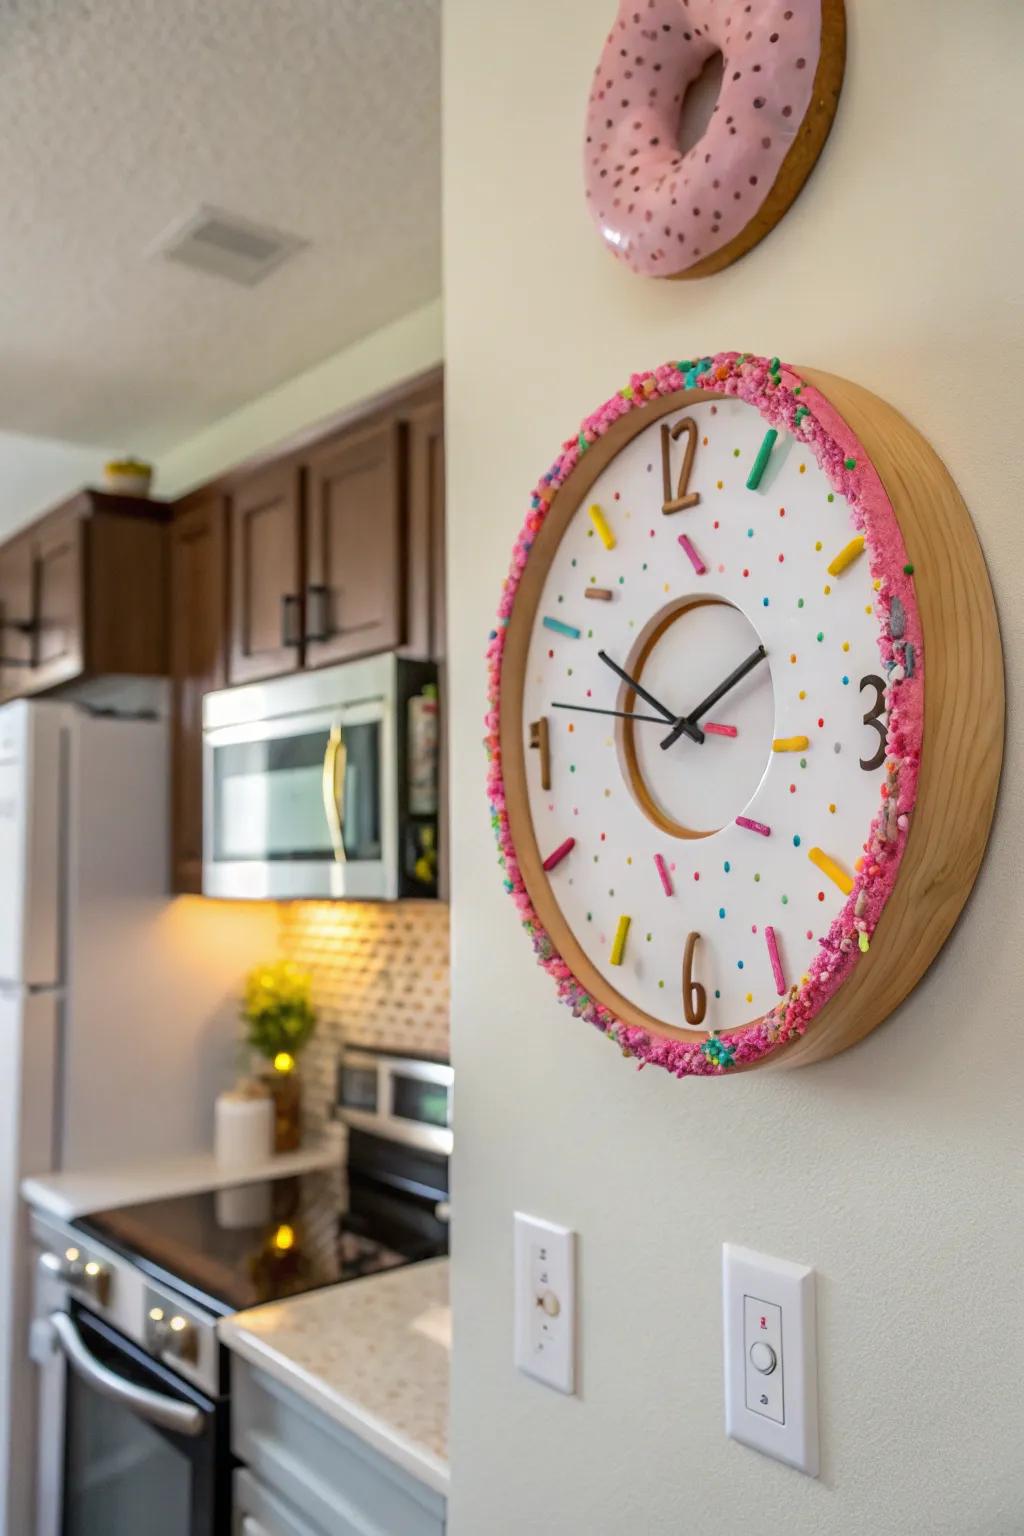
895 1169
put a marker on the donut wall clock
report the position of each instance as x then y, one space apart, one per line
746 714
671 214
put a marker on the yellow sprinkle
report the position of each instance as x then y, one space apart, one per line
750 997
802 694
604 533
831 868
619 946
877 586
867 608
847 556
790 744
846 645
827 590
818 544
803 469
719 483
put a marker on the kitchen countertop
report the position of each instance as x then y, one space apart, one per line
372 1354
71 1194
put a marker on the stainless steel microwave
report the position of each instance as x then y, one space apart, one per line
323 784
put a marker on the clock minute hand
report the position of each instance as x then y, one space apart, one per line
687 727
717 693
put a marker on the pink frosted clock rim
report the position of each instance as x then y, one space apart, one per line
779 394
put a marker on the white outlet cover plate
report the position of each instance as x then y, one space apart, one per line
545 1301
786 1425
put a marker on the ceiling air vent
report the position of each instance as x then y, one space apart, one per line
227 246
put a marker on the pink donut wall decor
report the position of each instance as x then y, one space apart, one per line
665 213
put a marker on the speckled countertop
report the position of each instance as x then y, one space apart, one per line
371 1354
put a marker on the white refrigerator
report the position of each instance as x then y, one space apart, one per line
117 1003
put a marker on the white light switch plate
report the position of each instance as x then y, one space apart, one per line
545 1301
771 1364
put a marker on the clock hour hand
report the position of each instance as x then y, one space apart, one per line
689 727
713 697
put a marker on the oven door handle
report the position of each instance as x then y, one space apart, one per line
335 764
164 1412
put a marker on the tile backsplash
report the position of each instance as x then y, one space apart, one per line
380 978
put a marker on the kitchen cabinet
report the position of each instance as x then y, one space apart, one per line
266 574
83 594
15 614
198 592
331 551
305 1475
354 575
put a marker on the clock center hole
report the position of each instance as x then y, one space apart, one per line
692 789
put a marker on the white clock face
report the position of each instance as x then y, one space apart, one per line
751 815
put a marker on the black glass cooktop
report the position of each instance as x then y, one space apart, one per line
228 1249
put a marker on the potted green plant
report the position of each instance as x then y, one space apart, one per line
280 1019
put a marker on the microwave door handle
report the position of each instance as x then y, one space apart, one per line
164 1412
335 760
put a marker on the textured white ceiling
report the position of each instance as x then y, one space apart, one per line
320 117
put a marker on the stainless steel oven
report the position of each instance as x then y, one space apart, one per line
321 784
132 1418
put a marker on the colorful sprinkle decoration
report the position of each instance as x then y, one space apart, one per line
714 729
569 630
619 942
760 464
601 527
692 555
663 874
846 556
777 394
776 962
790 744
555 858
753 826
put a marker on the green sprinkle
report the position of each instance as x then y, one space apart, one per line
849 463
685 367
821 634
830 496
627 393
798 390
584 445
864 942
801 413
785 901
908 570
774 365
799 602
760 463
756 878
803 762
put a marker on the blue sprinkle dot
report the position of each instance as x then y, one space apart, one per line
621 580
574 562
739 965
727 866
721 911
717 993
750 533
796 840
846 681
764 601
572 767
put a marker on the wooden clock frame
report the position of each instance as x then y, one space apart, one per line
962 746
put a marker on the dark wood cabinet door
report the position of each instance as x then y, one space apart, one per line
354 593
266 564
426 546
58 649
198 604
16 617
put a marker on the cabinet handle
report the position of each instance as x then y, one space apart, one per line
291 627
318 603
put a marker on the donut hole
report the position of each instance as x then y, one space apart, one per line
699 101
